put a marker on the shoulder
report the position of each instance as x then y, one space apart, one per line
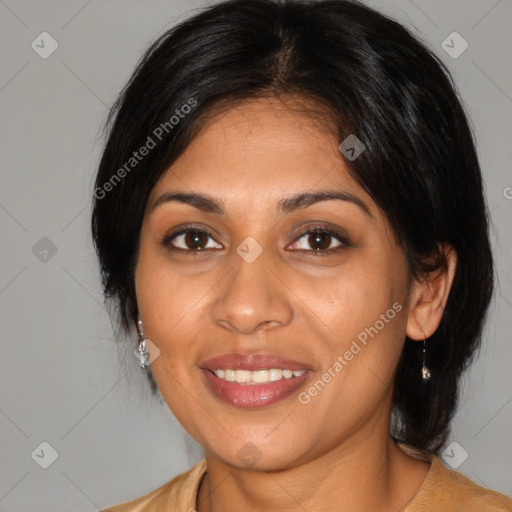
177 494
450 491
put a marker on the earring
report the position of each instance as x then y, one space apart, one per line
425 372
140 351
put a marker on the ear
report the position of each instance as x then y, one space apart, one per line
429 296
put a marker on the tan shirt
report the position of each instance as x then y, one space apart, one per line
443 490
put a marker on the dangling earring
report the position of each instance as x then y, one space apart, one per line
140 351
425 372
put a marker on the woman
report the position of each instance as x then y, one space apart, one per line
289 209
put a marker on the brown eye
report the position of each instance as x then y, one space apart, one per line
320 242
189 240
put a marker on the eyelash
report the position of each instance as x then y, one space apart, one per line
166 242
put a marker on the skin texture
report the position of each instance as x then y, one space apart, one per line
290 302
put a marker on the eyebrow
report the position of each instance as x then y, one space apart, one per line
289 204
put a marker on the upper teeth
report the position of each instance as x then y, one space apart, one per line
257 376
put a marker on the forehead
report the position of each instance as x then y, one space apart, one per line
259 149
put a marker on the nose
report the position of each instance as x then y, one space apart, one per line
252 298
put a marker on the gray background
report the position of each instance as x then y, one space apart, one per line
62 379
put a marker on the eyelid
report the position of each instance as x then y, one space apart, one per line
338 233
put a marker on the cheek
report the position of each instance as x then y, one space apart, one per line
353 300
168 300
365 313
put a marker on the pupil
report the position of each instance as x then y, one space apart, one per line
316 239
194 238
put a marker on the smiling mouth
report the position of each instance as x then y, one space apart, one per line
253 380
252 394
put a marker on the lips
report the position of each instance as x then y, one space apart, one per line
254 395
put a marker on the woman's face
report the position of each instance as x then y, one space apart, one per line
257 284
